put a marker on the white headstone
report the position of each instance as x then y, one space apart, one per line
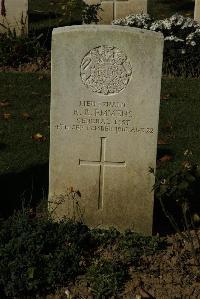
197 11
114 9
104 122
14 15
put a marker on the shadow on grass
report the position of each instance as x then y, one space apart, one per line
24 189
161 224
3 146
162 151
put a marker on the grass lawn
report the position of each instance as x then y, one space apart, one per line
179 122
24 108
24 112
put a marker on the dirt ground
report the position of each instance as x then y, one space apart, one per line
171 274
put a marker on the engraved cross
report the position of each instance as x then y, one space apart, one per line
102 163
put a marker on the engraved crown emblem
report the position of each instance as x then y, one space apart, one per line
106 70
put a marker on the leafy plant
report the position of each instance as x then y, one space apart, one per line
105 237
72 196
106 278
63 13
38 255
17 50
182 41
178 194
133 246
181 188
116 253
78 12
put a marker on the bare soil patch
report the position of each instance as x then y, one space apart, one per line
172 273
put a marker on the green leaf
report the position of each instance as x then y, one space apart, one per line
183 186
31 272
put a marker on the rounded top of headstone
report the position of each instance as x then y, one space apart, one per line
106 70
108 28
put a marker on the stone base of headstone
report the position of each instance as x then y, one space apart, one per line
15 16
118 9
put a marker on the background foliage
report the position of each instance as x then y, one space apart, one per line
181 55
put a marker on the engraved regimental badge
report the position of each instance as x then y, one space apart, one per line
106 70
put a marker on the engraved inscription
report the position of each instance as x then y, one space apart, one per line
102 163
104 116
106 70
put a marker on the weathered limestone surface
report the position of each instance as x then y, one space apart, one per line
197 11
104 122
123 8
118 9
16 16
